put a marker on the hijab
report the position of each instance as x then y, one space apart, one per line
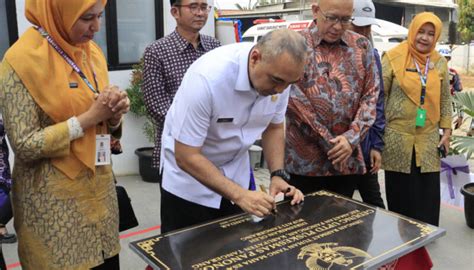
401 58
47 76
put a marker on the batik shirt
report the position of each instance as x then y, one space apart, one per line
165 62
62 223
402 137
336 96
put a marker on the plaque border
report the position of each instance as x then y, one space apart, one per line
425 229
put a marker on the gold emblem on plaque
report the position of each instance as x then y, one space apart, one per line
328 255
274 98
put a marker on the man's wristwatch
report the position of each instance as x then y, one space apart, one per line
281 173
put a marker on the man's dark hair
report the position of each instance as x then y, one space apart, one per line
175 2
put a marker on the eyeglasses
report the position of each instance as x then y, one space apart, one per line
345 21
195 8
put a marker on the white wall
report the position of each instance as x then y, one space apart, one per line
462 56
23 24
126 163
170 23
132 135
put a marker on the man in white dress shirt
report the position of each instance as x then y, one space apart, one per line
228 99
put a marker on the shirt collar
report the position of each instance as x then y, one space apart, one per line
182 44
243 80
318 39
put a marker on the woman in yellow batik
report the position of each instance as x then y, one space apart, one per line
417 105
56 104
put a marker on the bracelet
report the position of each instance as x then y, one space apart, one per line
75 129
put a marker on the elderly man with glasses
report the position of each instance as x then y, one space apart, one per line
333 106
167 59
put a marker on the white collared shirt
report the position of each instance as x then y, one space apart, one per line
216 108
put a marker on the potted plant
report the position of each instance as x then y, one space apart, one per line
137 107
465 145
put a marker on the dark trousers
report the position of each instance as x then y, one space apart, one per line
6 213
369 189
416 195
112 263
3 266
177 213
340 184
5 216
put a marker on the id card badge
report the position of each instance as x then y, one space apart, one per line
420 117
102 149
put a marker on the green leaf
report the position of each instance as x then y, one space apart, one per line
466 19
463 145
466 100
137 105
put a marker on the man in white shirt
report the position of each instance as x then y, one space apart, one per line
227 99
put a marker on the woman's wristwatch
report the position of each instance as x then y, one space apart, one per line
281 173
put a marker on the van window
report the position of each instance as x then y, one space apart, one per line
396 40
247 39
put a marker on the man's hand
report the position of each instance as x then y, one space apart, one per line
341 151
458 122
255 202
375 161
277 185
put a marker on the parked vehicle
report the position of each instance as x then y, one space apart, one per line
385 35
254 33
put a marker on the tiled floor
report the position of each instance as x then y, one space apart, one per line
455 251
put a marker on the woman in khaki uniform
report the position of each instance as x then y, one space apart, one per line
417 105
55 99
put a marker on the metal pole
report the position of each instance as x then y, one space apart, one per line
302 4
468 56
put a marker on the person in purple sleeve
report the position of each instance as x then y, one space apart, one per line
5 186
372 144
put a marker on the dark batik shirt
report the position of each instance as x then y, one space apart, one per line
165 63
336 96
5 178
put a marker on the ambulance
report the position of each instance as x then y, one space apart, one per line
386 35
261 27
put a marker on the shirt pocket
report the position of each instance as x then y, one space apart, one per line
262 114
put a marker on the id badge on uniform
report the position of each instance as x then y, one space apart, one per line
420 117
102 149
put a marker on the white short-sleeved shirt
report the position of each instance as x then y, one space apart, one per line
216 108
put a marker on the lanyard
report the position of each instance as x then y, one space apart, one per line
69 60
423 79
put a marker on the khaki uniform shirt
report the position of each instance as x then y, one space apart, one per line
61 223
401 134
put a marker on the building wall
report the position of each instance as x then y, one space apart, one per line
463 58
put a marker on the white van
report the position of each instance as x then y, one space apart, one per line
385 36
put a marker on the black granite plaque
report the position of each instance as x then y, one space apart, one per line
327 231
